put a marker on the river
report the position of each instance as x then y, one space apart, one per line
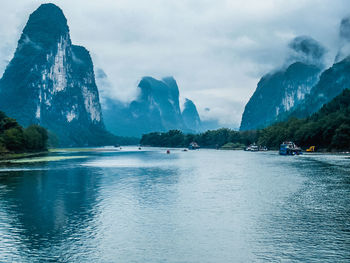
197 206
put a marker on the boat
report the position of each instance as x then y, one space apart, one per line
311 149
193 146
252 148
289 148
263 148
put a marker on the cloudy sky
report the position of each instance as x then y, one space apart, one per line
217 50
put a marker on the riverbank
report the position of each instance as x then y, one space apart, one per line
87 149
12 156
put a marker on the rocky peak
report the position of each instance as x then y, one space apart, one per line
280 91
46 26
156 109
51 82
190 116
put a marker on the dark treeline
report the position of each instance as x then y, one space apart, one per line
208 139
329 129
14 138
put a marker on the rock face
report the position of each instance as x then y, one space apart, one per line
190 116
158 104
332 82
51 82
279 92
156 109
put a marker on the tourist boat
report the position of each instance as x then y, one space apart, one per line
289 148
193 146
252 148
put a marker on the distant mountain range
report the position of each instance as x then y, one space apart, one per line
157 108
303 87
51 82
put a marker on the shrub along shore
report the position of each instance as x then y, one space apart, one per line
18 142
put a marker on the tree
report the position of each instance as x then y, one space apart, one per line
14 139
35 137
341 139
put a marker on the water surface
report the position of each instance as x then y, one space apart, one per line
195 206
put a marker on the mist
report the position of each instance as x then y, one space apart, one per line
216 50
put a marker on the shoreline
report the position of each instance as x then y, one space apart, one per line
347 152
13 156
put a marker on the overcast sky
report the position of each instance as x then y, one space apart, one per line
217 50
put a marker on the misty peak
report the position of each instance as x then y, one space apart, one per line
49 10
344 43
150 85
188 103
344 31
169 79
307 50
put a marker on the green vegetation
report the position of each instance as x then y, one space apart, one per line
15 139
328 129
208 139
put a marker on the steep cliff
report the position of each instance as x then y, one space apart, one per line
332 82
51 82
191 117
278 93
156 109
281 91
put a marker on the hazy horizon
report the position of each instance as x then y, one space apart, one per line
217 51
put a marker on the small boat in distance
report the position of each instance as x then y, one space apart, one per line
311 149
193 146
289 148
252 148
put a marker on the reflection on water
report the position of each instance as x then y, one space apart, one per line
43 209
198 206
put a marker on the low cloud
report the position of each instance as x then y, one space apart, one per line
216 50
344 43
344 31
306 49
